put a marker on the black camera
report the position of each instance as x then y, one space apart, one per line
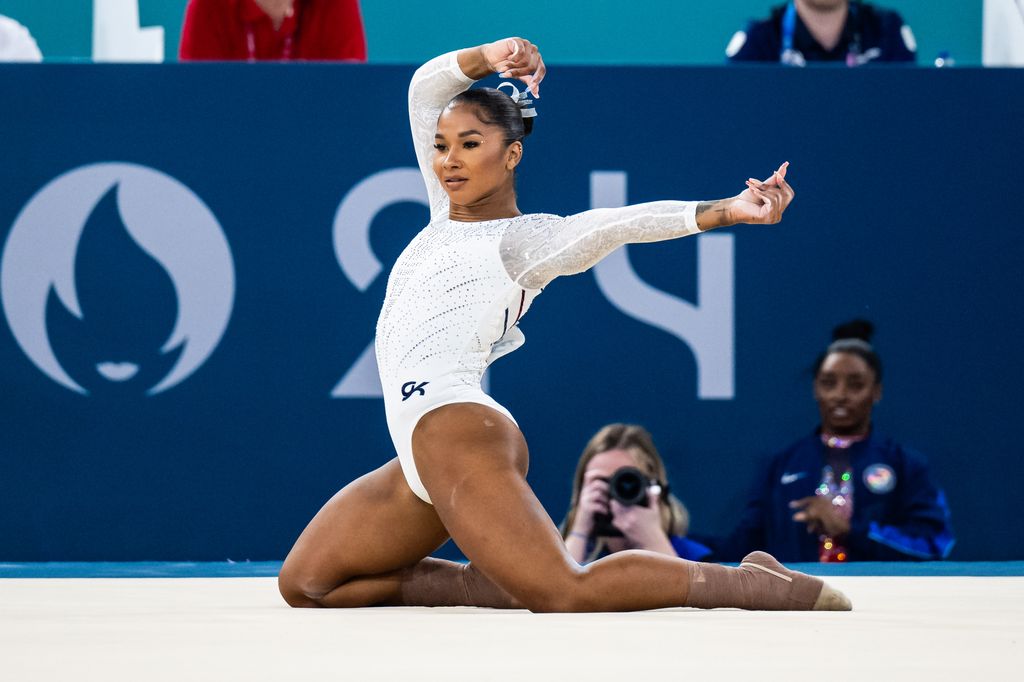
629 486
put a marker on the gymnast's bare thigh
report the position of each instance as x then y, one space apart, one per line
489 438
372 527
473 460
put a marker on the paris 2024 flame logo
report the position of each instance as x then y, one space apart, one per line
117 277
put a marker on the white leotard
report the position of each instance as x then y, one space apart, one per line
457 293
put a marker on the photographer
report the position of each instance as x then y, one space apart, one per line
621 500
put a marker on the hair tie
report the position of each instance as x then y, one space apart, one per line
519 99
847 344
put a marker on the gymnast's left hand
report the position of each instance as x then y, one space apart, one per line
763 203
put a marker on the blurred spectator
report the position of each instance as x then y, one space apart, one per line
16 43
1002 42
276 30
621 500
843 492
804 31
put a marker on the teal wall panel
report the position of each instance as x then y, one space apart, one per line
646 32
595 32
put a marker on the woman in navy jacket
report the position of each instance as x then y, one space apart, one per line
843 492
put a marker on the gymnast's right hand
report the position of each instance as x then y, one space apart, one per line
764 202
516 58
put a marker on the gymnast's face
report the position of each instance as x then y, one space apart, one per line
846 390
471 158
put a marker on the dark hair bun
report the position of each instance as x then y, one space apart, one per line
854 329
496 107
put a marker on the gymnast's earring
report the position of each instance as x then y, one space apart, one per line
515 159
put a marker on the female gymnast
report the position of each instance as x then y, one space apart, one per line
452 306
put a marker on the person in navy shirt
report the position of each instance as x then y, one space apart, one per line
837 31
843 492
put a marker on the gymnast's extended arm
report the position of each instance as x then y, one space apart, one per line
578 242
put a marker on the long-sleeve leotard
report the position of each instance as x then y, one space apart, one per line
532 250
456 295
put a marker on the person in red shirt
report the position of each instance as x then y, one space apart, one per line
272 30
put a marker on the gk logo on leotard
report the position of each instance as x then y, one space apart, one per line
411 388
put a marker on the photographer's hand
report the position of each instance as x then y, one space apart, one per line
593 500
641 525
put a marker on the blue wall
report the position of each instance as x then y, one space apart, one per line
595 32
905 212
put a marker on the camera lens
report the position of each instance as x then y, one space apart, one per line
629 485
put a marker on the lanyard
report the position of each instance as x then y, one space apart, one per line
788 28
250 43
790 56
